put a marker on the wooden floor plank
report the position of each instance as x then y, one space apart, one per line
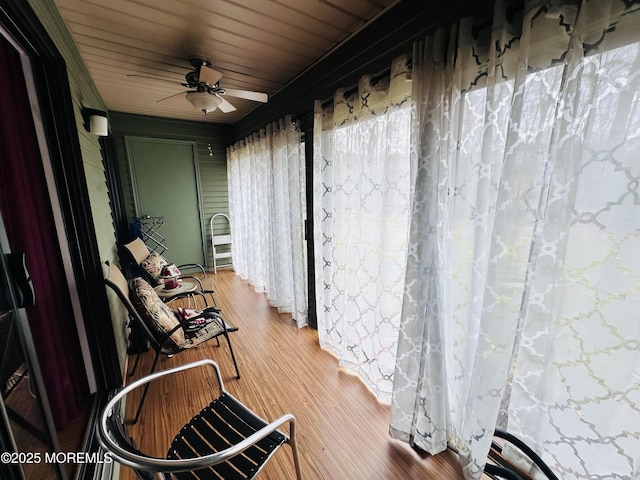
342 428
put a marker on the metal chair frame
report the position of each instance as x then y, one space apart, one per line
506 471
246 441
161 345
138 251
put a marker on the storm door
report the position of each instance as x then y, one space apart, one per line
164 178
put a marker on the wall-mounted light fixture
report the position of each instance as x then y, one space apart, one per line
95 121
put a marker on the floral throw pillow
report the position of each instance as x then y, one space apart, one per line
154 264
159 318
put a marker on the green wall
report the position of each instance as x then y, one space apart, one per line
213 176
212 179
85 94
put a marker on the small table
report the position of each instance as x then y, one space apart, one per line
184 287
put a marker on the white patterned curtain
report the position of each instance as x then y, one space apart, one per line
522 297
267 210
361 200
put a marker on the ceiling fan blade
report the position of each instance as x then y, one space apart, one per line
225 107
247 95
208 75
171 96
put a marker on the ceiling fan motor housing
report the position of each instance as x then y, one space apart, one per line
192 78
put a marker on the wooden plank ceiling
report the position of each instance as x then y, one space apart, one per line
258 45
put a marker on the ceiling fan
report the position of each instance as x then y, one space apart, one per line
206 94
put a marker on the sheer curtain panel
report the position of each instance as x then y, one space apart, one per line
522 289
361 200
267 208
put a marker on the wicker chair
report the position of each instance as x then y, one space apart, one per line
150 263
168 332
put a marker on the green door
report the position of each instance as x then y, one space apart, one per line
164 179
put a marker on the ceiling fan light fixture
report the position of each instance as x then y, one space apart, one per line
204 101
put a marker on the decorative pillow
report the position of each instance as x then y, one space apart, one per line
154 264
159 318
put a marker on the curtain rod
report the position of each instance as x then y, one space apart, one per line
374 80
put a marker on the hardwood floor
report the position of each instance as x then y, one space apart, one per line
342 428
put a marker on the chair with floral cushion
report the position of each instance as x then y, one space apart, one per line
151 263
169 332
